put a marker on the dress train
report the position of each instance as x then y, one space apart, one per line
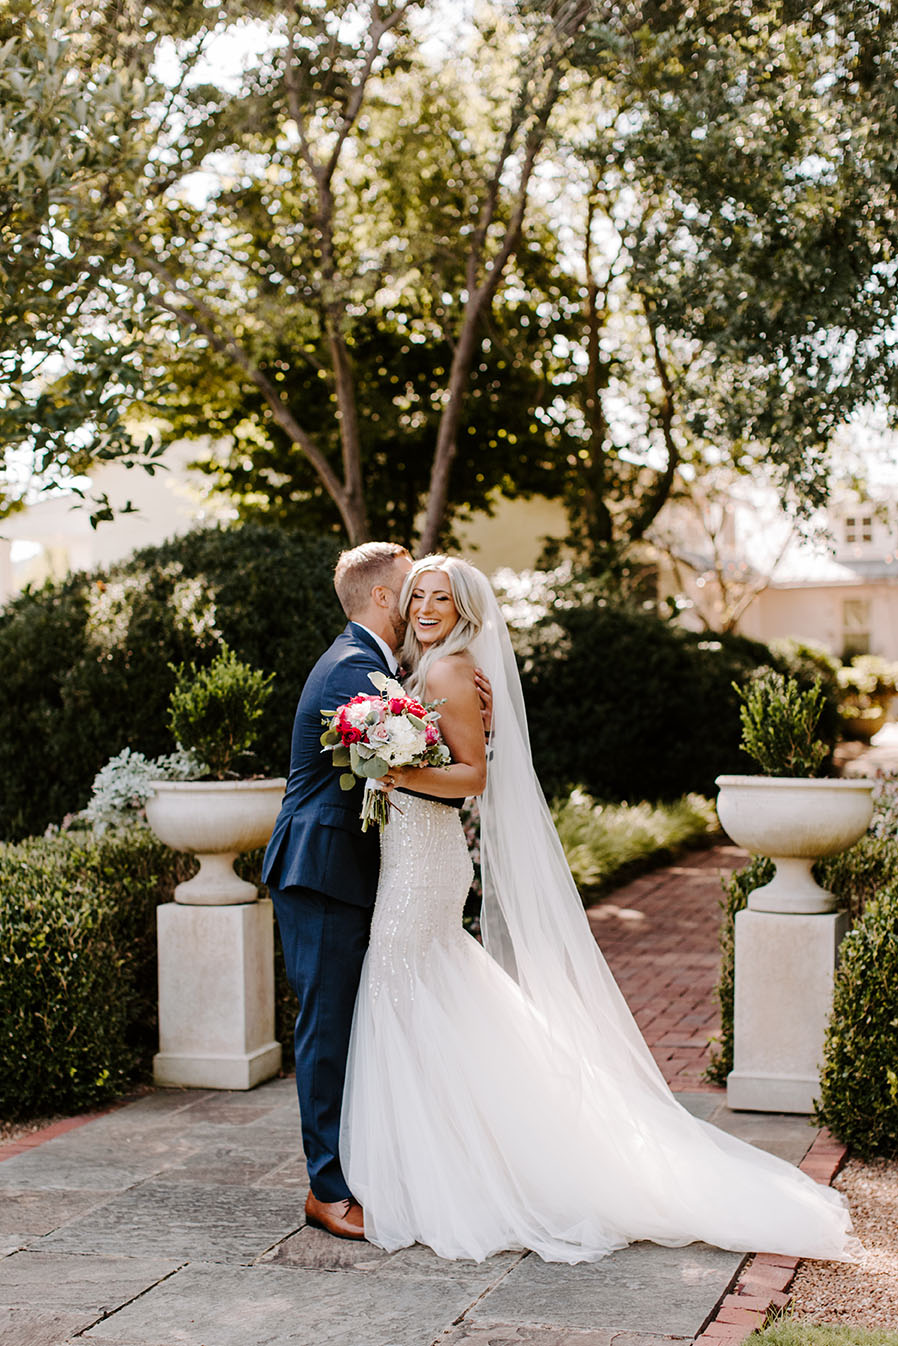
472 1124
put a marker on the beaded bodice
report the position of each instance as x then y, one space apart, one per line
425 875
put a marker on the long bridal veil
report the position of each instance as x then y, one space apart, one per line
694 1181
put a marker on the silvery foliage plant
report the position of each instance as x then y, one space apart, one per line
122 787
885 805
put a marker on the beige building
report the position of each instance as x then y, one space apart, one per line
750 570
53 535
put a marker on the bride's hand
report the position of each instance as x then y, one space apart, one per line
394 778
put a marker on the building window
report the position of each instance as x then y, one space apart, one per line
859 528
855 627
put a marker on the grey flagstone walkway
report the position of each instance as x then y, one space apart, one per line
177 1220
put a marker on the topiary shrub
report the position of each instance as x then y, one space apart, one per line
85 663
859 1078
780 724
214 712
78 952
78 994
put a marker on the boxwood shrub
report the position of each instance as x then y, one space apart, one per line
85 663
78 954
859 1079
859 1096
78 991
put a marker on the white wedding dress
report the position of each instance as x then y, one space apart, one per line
506 1099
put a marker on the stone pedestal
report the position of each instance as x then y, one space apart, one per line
784 986
216 996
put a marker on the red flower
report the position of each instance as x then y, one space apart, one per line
431 734
351 735
398 704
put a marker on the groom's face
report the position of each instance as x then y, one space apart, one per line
401 566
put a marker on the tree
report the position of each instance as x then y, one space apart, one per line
295 237
705 265
731 214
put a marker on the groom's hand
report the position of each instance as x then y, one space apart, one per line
485 692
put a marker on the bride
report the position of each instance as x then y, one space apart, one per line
502 1096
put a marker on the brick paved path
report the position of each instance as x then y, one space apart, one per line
659 935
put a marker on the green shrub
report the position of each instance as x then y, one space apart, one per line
859 1079
652 709
78 995
780 724
78 951
736 889
85 663
855 876
214 712
605 842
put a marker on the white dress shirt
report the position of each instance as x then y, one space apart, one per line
392 661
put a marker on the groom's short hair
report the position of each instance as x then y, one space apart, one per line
361 569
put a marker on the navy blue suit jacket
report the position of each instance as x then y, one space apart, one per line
317 840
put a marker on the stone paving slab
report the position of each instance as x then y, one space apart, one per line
185 1221
30 1214
271 1306
96 1285
783 1134
91 1160
312 1249
511 1334
38 1327
642 1289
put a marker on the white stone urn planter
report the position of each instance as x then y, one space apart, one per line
787 939
794 820
216 821
216 940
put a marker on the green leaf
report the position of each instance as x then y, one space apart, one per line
329 738
373 768
347 781
341 756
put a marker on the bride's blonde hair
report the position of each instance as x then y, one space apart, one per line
465 583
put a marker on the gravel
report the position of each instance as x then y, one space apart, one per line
866 1292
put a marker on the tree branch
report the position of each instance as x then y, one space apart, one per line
196 313
654 498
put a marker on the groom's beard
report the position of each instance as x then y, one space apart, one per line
398 624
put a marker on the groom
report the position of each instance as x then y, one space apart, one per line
322 871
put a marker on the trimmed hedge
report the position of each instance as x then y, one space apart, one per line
78 994
859 1079
84 663
78 951
863 1030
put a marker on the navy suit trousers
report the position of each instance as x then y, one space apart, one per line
324 943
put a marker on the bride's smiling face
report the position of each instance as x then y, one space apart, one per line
431 610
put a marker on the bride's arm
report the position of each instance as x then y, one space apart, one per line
461 725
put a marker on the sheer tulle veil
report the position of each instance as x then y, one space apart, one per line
532 918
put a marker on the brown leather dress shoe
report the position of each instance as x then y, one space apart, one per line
343 1219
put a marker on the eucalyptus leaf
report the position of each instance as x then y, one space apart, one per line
341 756
347 781
373 768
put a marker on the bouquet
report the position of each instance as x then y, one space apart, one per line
370 734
